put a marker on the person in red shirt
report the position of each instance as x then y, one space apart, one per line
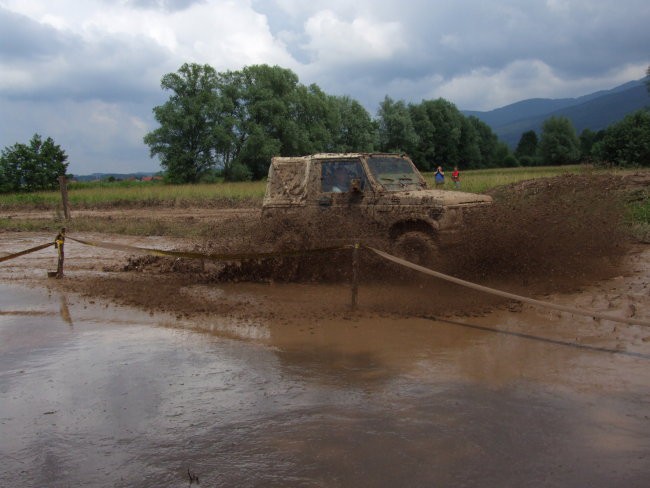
455 177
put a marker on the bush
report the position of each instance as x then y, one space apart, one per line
238 172
510 161
626 143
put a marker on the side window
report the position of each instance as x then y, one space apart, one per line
337 176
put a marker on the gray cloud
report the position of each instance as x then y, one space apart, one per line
88 74
24 40
448 39
164 5
97 136
64 66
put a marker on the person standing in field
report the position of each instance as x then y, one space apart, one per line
455 177
439 176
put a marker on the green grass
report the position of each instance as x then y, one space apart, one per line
481 180
30 225
107 195
640 212
639 216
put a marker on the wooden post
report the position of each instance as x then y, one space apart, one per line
355 275
64 196
59 242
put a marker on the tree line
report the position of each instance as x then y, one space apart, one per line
625 143
234 122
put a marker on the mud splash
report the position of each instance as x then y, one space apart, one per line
554 235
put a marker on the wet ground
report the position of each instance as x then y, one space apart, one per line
99 394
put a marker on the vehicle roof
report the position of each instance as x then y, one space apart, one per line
299 159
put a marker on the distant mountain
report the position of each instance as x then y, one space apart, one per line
595 111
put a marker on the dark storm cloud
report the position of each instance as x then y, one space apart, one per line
26 40
88 73
579 38
110 69
575 39
115 69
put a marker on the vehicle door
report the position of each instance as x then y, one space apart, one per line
342 199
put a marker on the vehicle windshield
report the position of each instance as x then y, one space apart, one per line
395 173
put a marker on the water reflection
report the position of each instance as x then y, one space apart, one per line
65 311
127 399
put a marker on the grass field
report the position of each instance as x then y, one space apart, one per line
481 180
142 194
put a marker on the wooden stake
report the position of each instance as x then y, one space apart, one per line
60 241
63 183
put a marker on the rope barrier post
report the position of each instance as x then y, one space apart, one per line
355 275
58 243
63 183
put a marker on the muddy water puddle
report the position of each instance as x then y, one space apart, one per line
99 395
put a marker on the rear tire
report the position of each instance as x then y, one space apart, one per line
417 247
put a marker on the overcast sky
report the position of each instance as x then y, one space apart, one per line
87 73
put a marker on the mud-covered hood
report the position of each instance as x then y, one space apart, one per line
434 198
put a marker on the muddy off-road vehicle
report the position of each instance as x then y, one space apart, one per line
376 199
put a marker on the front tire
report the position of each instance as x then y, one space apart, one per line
417 247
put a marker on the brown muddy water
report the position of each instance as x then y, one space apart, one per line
94 394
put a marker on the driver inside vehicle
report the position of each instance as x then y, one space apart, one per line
341 182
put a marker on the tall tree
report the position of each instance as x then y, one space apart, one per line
425 150
588 138
271 114
526 151
278 117
445 121
187 137
469 152
31 167
490 148
396 131
559 143
355 131
448 138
